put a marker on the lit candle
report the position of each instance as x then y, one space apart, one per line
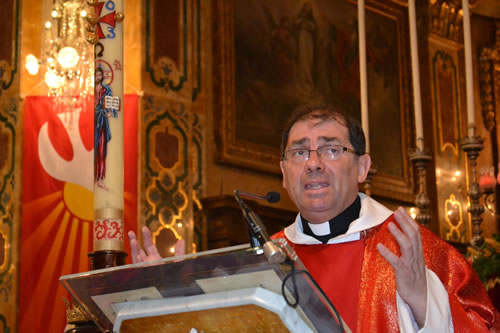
417 102
362 72
487 181
109 182
468 68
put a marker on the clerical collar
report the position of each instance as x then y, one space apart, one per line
336 226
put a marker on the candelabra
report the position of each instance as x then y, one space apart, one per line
472 145
421 158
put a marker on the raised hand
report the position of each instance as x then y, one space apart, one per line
138 254
409 268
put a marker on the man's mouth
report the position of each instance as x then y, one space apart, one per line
315 186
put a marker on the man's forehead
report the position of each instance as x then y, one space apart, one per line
318 129
321 138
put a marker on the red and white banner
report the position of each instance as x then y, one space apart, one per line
57 208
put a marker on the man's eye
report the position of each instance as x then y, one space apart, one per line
300 152
330 150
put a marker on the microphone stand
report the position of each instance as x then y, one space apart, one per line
254 242
257 232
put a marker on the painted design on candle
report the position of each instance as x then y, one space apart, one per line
118 65
105 106
108 229
108 19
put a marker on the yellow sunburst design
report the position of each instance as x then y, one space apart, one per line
71 214
79 200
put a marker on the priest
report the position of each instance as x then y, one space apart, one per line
381 270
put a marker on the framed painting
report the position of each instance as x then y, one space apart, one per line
272 56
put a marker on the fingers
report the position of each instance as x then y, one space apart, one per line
142 257
139 254
180 247
400 237
388 255
147 238
409 268
407 224
408 239
134 246
152 250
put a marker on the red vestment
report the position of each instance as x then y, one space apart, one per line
361 283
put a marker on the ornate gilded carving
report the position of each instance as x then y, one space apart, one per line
75 314
173 48
450 163
167 66
8 123
10 165
199 218
446 100
9 12
9 220
446 19
454 219
167 181
489 81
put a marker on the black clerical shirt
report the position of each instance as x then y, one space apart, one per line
338 225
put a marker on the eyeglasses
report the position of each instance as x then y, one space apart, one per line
328 153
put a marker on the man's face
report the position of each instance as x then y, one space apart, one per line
98 77
321 189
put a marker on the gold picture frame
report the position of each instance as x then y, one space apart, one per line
253 94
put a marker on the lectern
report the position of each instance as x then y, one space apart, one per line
224 290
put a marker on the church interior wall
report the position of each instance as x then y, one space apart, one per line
177 87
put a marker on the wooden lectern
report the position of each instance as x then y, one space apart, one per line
224 290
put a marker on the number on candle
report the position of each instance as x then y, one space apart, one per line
110 5
111 34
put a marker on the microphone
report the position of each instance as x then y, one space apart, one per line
273 252
271 197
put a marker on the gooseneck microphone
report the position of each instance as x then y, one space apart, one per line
273 252
272 197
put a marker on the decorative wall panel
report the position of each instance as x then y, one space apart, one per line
10 176
173 48
167 184
9 210
9 32
171 132
450 161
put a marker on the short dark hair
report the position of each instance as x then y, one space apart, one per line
326 112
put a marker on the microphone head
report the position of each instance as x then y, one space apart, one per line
273 197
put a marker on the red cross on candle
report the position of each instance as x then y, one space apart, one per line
108 19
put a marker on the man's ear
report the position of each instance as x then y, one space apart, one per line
364 163
282 167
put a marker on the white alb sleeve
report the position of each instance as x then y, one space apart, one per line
438 314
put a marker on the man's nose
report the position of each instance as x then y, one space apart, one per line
314 162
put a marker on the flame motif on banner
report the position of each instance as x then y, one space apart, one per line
58 206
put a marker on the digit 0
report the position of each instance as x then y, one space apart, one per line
110 5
